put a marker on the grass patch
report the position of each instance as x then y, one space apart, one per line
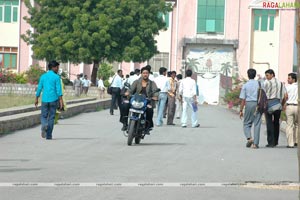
9 101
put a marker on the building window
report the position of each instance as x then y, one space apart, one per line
9 11
8 57
210 16
158 61
264 19
165 18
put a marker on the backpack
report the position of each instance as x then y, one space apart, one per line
262 100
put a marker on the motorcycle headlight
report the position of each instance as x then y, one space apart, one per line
137 104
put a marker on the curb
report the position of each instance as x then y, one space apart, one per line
25 120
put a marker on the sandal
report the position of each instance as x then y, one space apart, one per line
249 143
253 146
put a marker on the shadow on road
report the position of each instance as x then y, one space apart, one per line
19 169
160 143
17 160
74 138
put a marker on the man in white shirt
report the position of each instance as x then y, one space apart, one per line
116 86
291 110
187 90
101 87
134 76
163 84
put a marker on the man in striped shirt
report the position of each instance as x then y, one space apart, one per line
275 91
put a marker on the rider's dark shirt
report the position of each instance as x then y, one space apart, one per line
144 91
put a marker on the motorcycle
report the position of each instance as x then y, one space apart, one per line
137 118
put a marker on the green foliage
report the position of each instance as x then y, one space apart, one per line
106 83
65 79
34 73
6 76
92 31
233 96
105 71
21 78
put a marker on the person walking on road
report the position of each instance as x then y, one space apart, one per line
172 99
252 116
163 84
291 111
275 91
52 98
116 86
187 90
178 99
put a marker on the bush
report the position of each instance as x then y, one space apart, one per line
21 78
34 74
233 96
106 83
105 70
7 76
65 79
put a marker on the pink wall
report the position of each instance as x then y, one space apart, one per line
286 47
231 22
244 35
24 48
186 28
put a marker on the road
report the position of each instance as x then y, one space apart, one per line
90 149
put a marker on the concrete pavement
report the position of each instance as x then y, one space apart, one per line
90 148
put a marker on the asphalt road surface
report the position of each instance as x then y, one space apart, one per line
89 159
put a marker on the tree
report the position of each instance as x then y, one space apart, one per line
105 71
226 70
94 31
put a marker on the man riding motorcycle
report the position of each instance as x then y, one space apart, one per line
141 86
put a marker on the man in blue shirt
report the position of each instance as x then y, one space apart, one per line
248 96
49 83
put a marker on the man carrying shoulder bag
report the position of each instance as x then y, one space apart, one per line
275 91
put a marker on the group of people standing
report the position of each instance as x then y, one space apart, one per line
279 97
81 85
176 95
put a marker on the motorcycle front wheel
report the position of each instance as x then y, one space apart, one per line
137 139
131 129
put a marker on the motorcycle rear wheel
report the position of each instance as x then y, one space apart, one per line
131 132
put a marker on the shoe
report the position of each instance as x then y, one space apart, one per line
295 145
50 138
249 143
165 116
198 125
172 124
183 126
253 146
124 128
177 117
111 113
43 134
147 131
270 146
290 147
